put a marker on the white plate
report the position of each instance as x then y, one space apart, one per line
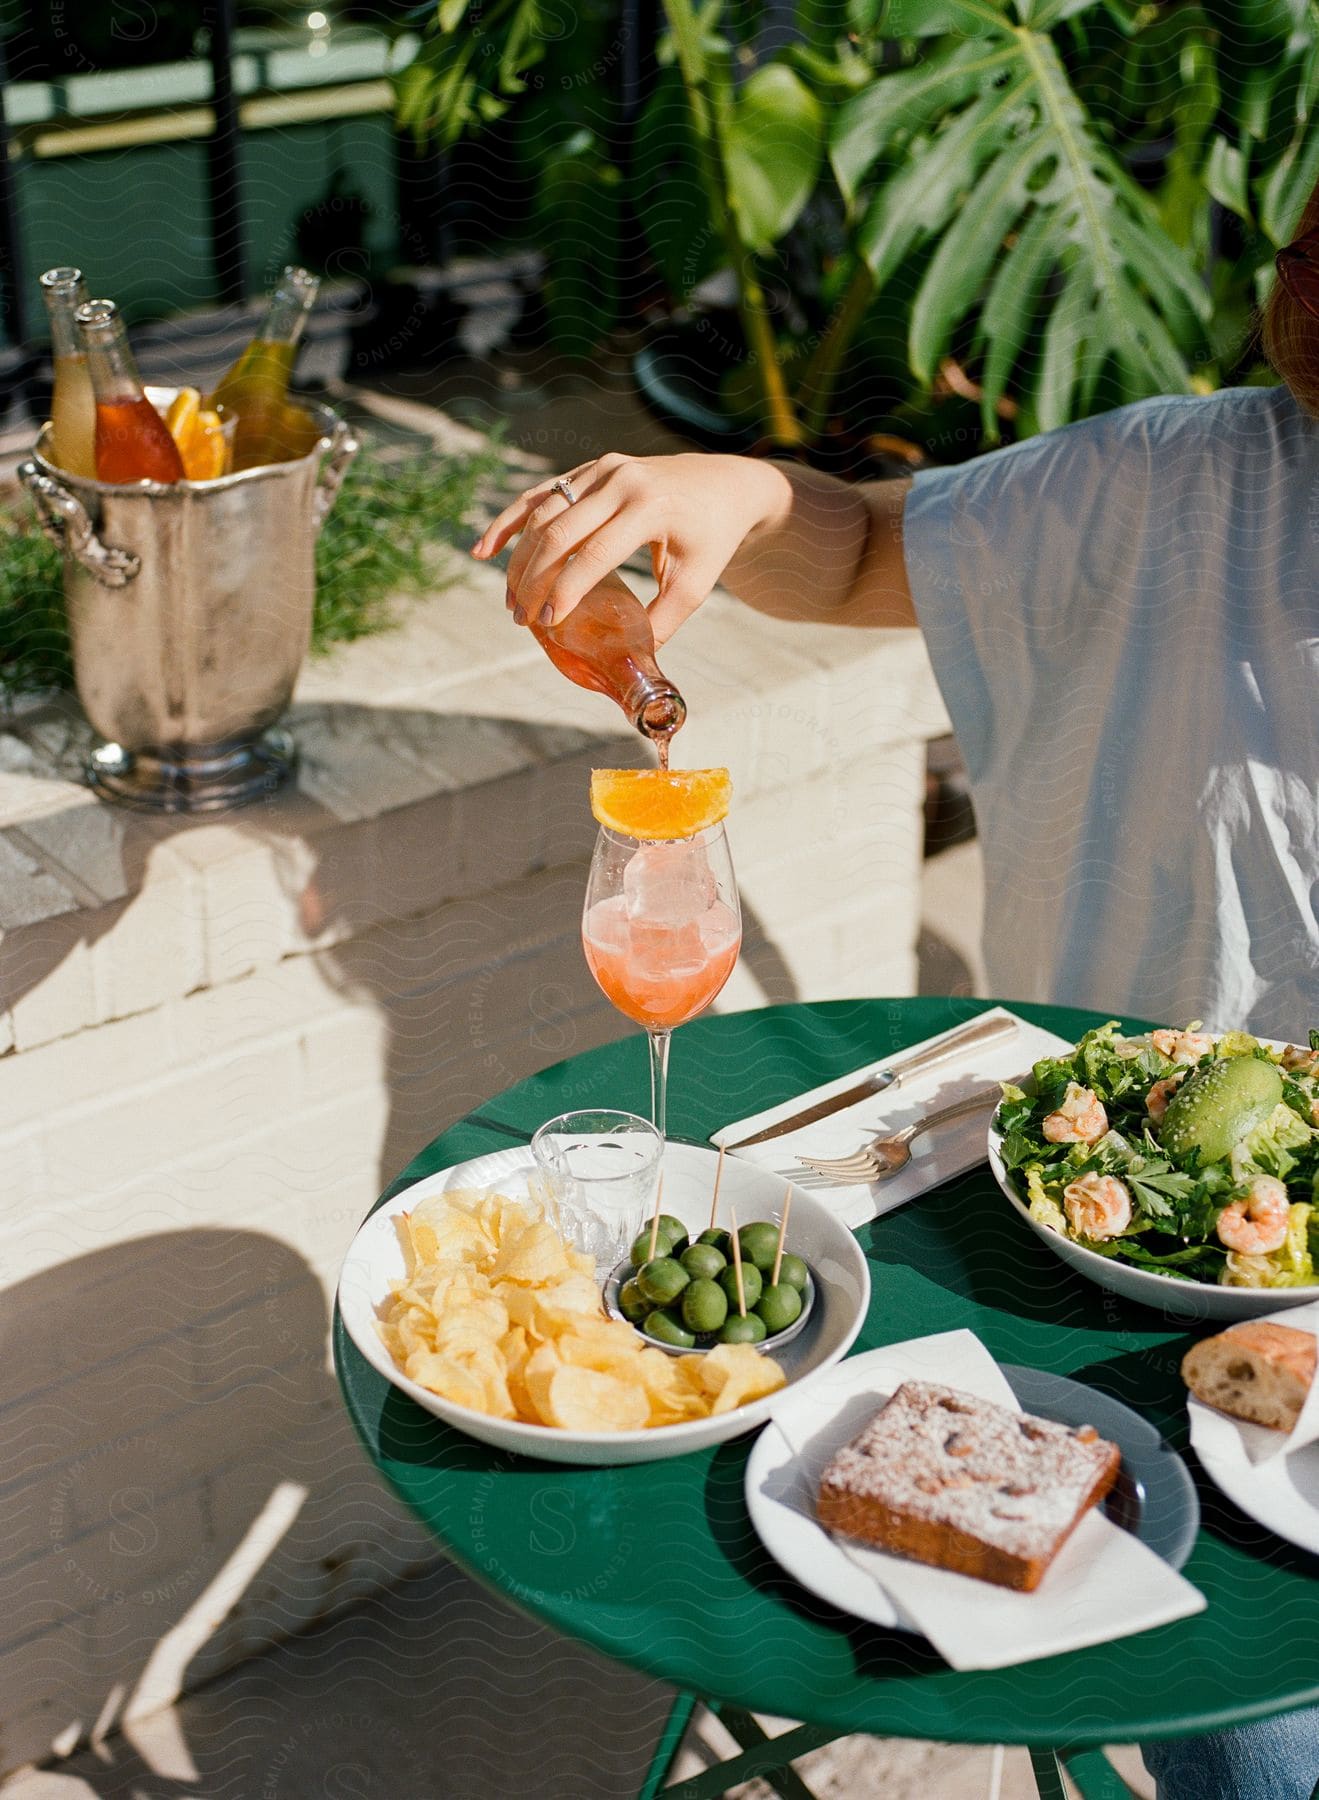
1179 1299
1281 1492
1154 1500
375 1258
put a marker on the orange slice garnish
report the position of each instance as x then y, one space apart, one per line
205 450
182 415
198 436
660 803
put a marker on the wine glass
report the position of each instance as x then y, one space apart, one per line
661 929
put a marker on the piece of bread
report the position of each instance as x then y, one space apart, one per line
1256 1371
963 1484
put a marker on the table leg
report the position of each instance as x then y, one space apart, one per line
768 1757
1048 1775
1091 1773
1094 1777
675 1729
749 1733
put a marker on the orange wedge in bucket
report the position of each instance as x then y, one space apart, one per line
198 434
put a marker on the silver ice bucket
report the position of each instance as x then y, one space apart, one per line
190 614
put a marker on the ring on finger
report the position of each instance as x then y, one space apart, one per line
564 486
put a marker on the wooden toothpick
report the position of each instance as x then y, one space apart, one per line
718 1177
654 1223
737 1264
783 1232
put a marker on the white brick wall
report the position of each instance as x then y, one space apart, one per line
219 1038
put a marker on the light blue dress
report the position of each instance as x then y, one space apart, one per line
1123 618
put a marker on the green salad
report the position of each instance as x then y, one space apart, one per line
1185 1154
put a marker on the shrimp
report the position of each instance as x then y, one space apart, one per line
1156 1101
1256 1225
1300 1062
1097 1206
1080 1119
1182 1046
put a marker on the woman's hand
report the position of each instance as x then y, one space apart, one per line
693 510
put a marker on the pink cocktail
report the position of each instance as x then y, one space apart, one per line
661 930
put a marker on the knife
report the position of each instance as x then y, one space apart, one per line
990 1029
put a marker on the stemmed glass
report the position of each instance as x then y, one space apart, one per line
661 929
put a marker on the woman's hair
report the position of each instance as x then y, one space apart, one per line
1290 334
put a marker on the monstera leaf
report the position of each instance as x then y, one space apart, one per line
982 146
773 149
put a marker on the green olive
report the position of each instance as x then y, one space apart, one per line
760 1243
751 1284
793 1271
703 1261
662 1280
704 1306
779 1306
675 1231
667 1328
750 1330
641 1251
722 1240
632 1303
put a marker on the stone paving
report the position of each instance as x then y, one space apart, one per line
436 1692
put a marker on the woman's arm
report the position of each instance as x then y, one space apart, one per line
788 541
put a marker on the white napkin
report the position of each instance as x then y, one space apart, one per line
950 1150
1103 1584
1260 1442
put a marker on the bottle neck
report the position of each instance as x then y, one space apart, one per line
109 359
656 708
289 306
64 291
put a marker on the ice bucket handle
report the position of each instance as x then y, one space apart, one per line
65 521
342 449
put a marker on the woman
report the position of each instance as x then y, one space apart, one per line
1122 617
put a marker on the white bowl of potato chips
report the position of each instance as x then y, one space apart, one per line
462 1293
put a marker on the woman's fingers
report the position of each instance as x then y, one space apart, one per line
516 514
604 551
554 532
513 518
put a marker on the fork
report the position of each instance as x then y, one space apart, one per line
886 1154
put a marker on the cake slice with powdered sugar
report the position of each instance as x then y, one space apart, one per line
964 1484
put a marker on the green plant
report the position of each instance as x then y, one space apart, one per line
377 545
1053 169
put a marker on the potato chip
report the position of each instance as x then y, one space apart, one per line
499 1313
575 1293
538 1374
587 1400
533 1255
443 1376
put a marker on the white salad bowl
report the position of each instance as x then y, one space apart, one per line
1179 1299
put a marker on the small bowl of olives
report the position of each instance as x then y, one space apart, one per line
684 1298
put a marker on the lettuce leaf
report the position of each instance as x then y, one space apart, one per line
1043 1210
1270 1146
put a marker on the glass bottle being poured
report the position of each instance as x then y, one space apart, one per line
72 402
270 429
132 440
606 644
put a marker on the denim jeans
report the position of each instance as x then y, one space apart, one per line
1275 1759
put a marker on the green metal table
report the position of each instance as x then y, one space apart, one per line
727 1624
